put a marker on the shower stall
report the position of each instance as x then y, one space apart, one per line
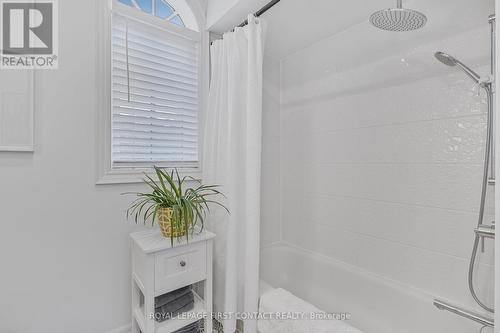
379 143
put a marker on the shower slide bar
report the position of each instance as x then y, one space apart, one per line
441 305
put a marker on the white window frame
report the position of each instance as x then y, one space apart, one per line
106 174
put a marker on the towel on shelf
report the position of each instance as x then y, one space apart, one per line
171 296
165 315
175 305
282 301
174 308
192 328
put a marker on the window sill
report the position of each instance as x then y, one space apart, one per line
136 176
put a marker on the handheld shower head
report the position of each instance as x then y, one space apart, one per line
445 58
448 60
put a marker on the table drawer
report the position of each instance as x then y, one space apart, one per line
179 267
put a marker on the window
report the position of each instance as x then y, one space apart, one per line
154 86
158 8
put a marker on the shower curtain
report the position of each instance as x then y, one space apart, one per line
231 157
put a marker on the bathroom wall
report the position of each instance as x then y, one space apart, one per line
381 158
270 184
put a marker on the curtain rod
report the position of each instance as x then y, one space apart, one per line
261 11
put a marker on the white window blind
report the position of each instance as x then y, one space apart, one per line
154 95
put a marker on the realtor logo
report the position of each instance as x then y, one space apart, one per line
29 34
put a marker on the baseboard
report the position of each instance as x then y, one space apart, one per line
123 329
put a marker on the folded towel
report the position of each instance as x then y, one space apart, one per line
177 303
192 328
171 296
282 301
172 309
163 315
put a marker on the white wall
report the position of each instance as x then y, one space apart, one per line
217 9
224 15
64 248
381 160
270 192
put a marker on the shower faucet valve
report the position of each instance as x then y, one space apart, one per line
485 231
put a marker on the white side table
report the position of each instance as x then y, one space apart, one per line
158 268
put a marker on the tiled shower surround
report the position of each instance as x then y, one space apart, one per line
381 162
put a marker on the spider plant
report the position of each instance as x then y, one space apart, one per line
189 205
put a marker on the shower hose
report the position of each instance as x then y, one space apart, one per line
489 135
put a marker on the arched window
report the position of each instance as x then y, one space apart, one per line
174 11
155 65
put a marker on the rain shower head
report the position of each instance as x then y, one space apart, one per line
398 19
448 60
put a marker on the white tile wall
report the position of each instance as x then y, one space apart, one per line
270 196
381 162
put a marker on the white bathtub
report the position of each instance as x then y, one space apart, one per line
376 305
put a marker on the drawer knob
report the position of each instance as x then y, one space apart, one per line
182 263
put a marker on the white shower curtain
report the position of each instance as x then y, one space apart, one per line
231 157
